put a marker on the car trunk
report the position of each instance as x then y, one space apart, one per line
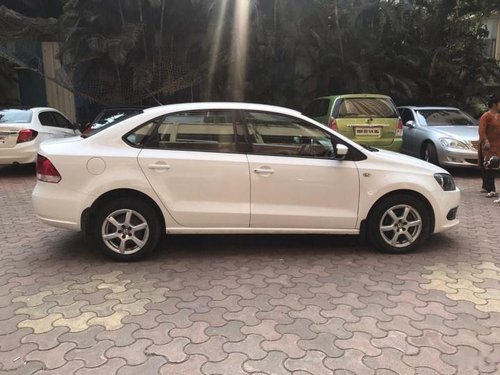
8 135
373 131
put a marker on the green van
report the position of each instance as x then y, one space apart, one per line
367 119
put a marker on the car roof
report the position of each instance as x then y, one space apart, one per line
220 105
428 107
350 96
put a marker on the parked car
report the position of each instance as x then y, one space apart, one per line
236 168
367 119
443 136
22 131
111 115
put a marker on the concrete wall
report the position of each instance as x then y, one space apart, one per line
57 96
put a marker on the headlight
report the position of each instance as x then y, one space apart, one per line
453 143
445 181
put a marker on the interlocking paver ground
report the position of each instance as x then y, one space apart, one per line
248 304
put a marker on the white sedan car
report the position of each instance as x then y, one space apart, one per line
235 168
22 131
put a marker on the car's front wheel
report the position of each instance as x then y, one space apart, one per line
430 154
399 224
126 229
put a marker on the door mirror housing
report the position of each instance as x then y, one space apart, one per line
411 124
341 151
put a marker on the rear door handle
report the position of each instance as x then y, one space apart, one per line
159 167
263 170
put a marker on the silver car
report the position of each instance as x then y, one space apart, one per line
443 136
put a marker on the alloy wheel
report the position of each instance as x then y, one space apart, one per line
400 226
125 231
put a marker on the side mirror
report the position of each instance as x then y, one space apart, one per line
411 124
341 151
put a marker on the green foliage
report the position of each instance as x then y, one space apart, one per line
418 51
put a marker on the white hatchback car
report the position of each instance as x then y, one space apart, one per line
235 168
22 131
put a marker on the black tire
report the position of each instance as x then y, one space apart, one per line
379 217
142 212
429 153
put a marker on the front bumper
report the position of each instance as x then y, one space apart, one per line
445 205
458 158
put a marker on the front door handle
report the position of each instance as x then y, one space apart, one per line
263 170
159 167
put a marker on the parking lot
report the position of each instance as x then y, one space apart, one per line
249 304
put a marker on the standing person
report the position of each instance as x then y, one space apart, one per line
489 142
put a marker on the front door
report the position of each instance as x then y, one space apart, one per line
194 166
295 182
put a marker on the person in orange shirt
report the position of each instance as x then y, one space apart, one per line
489 141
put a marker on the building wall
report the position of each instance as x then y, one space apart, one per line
493 46
57 96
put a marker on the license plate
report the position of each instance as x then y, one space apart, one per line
368 132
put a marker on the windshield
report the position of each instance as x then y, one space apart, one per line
444 117
110 116
15 116
367 107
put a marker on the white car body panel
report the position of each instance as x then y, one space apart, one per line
204 192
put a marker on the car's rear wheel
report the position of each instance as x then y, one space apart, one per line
399 224
126 229
429 154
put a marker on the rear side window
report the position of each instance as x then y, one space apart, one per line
366 107
211 131
46 119
318 108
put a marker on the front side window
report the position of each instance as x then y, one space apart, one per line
46 119
207 130
61 121
282 135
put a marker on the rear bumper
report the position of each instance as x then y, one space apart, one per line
20 154
458 158
58 207
394 146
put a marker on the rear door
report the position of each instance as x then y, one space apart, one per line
194 164
367 120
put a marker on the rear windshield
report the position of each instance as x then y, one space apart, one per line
15 116
444 117
367 107
110 116
109 124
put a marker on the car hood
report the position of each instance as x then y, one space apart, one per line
394 160
466 133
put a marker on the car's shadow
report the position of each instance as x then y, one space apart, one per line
25 170
70 247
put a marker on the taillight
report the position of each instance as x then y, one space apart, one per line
26 135
399 129
332 124
45 170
